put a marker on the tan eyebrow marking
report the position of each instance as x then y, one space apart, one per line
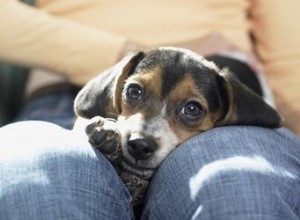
187 90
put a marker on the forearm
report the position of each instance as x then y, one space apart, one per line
276 31
34 38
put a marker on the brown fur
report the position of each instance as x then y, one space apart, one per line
150 126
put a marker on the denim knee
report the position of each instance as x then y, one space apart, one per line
46 172
229 173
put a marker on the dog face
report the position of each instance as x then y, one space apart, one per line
165 96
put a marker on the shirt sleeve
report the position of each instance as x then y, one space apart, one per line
276 30
34 38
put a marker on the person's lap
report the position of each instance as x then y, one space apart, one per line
48 172
236 172
226 173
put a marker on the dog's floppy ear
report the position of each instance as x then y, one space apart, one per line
102 95
241 106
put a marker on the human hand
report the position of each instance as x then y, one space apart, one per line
215 43
130 46
211 44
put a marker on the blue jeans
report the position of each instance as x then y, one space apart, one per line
55 107
238 172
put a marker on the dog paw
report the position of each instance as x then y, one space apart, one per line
136 186
104 135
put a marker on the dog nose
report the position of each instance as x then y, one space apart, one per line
142 148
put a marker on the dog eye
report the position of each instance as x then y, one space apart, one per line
134 91
191 110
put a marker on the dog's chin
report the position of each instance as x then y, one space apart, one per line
140 168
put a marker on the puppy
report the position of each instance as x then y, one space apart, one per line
150 102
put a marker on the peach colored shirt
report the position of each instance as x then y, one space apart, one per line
80 38
83 37
277 30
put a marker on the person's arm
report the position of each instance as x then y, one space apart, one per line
34 38
276 30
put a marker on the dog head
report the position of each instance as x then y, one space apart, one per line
165 96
